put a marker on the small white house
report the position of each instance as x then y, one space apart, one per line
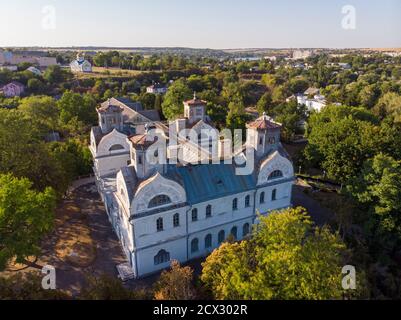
80 65
317 103
35 71
156 88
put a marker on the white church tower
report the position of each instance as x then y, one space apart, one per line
110 117
263 135
195 110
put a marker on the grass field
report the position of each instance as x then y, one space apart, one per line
100 72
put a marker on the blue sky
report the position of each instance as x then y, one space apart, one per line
200 23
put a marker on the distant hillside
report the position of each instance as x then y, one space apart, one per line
141 50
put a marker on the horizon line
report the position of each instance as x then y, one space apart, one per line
196 48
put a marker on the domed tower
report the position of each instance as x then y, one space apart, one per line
110 117
263 135
80 57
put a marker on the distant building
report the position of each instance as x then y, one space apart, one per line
45 62
317 103
302 54
11 68
344 66
156 88
10 58
35 71
5 57
13 89
80 65
271 58
312 91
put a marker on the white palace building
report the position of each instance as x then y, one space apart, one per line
171 204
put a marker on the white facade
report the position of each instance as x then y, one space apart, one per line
317 103
35 71
80 65
166 211
156 89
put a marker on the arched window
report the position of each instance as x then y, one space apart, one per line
116 147
276 175
195 245
208 211
176 220
262 198
274 195
234 232
208 241
194 215
162 257
247 201
221 236
245 230
159 201
159 224
235 204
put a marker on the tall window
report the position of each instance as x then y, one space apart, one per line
234 232
208 241
208 211
176 220
247 201
245 230
159 201
162 257
262 198
221 236
195 245
194 215
159 224
276 175
274 195
235 204
139 159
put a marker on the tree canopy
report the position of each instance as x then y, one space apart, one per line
285 258
25 217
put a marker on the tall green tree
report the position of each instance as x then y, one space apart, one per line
42 113
177 93
265 103
340 140
75 105
26 216
377 189
54 74
286 258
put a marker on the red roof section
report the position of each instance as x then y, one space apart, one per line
195 101
264 123
110 108
142 140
